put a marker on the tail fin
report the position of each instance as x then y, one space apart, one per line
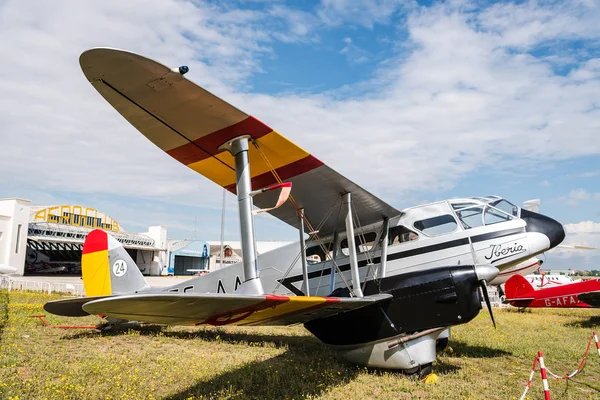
517 286
107 268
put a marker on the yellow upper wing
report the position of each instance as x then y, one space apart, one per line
189 123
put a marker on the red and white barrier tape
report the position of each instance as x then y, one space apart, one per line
540 359
581 364
535 361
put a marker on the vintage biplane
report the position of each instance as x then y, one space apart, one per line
382 287
521 293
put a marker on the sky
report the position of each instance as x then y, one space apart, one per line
414 101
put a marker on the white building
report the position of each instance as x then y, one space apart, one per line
49 239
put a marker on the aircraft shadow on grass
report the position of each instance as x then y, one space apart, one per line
592 322
288 375
462 349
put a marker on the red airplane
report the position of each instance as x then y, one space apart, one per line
584 294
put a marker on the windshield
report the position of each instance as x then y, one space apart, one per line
506 206
480 215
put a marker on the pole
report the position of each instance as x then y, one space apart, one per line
544 376
384 248
238 147
222 229
305 286
352 246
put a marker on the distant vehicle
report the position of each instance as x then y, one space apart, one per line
521 293
545 280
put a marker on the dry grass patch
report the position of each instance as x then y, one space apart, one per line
278 363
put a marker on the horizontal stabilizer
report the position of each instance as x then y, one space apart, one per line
225 309
591 298
70 307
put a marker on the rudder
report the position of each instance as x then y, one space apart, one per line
517 286
107 268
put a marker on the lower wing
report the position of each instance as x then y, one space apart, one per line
219 309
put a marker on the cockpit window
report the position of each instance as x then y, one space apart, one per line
506 206
363 242
458 206
315 254
471 217
437 225
493 216
400 234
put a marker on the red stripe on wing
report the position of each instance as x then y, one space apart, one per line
291 170
206 146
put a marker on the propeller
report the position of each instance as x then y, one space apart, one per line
575 247
486 296
486 273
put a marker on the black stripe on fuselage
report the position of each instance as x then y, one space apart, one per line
288 282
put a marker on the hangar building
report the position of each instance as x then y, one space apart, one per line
49 239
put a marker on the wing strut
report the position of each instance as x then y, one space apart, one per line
305 287
333 265
238 147
384 248
347 199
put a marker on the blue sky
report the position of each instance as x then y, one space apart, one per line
415 101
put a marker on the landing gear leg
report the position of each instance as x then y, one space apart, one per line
501 293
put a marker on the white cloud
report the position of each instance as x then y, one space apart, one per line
583 227
459 98
353 53
576 196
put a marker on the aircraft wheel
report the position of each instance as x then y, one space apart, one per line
441 344
425 370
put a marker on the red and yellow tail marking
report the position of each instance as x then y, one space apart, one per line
95 269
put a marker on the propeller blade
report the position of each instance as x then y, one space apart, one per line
575 247
486 296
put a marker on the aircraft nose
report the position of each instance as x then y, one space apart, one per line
546 225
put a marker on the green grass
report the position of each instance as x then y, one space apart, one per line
278 363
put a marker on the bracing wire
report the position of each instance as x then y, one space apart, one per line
305 219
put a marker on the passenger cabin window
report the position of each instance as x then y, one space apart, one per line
471 217
435 226
316 254
493 216
400 234
363 243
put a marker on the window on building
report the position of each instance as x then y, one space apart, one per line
364 242
439 225
19 227
400 234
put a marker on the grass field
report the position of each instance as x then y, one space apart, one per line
278 363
